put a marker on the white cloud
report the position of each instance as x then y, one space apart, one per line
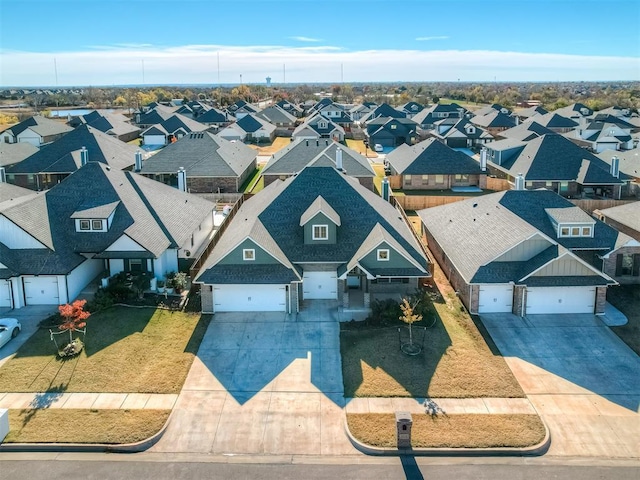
198 64
426 39
305 39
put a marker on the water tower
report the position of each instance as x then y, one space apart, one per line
268 82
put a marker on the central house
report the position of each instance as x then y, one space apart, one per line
316 235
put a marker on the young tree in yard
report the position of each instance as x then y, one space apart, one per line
74 317
409 318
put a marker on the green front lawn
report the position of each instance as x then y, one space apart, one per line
626 298
127 350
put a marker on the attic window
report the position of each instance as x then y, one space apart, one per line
586 231
393 126
382 254
96 224
320 232
85 225
248 254
322 125
90 225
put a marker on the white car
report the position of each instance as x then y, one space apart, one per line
378 148
9 328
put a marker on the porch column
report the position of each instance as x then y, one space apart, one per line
343 287
367 295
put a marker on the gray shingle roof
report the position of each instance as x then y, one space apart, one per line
554 120
431 157
9 192
628 214
202 155
41 125
275 115
494 119
320 205
629 160
569 214
526 131
11 153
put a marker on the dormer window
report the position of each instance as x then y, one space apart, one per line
320 232
393 126
85 225
564 231
586 231
90 225
248 254
382 254
96 224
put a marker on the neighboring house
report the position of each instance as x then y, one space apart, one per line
495 122
336 113
428 117
320 153
35 130
170 130
12 153
212 164
555 122
431 165
116 125
629 162
527 113
291 108
384 110
525 131
49 166
462 134
316 107
250 128
153 114
319 127
599 136
553 162
391 132
214 118
317 235
53 243
410 109
241 109
524 252
357 112
576 111
496 107
278 117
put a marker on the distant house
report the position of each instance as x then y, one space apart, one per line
278 117
384 110
600 136
35 130
212 164
214 118
525 252
462 134
170 130
410 109
555 122
391 132
337 114
525 131
495 122
49 166
302 153
241 109
250 128
431 165
574 111
429 116
11 153
116 125
317 127
291 108
153 114
357 112
496 107
527 113
53 243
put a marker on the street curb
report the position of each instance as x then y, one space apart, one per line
136 447
532 451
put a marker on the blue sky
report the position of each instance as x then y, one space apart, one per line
115 42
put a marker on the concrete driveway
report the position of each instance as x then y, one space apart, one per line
263 383
581 378
29 317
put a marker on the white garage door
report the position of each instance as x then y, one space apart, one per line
249 298
560 300
41 290
5 293
495 298
319 285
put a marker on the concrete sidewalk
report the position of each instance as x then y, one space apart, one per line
99 401
441 405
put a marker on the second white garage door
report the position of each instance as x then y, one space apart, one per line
41 290
495 298
319 285
249 298
541 300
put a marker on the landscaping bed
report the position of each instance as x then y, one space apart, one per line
450 431
126 350
84 426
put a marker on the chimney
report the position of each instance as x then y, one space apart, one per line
138 166
520 182
483 159
182 179
3 175
615 167
339 158
517 119
84 156
386 190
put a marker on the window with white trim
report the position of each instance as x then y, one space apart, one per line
96 224
320 232
564 231
586 231
248 254
382 254
91 225
85 225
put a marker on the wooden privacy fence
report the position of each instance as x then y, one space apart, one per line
418 202
589 204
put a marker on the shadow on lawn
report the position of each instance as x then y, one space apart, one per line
42 401
110 326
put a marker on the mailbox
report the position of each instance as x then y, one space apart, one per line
403 429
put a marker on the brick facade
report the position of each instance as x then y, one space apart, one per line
609 266
519 299
206 298
212 184
294 292
601 300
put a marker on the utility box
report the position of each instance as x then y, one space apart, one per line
403 429
4 423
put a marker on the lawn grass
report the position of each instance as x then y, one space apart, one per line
127 350
450 431
358 146
258 186
57 425
251 180
377 180
626 298
277 144
456 361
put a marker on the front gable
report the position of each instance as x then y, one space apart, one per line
525 250
564 266
383 256
125 244
320 230
248 252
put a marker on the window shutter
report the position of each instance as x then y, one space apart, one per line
618 265
636 265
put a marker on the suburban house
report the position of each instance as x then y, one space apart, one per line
384 110
98 221
214 118
361 110
629 162
427 117
35 130
316 107
575 111
278 117
525 252
170 130
495 122
336 113
241 108
553 162
600 136
116 125
250 128
153 114
496 107
291 108
431 165
302 153
527 113
11 153
49 166
211 163
391 132
317 235
410 109
462 134
525 131
317 127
